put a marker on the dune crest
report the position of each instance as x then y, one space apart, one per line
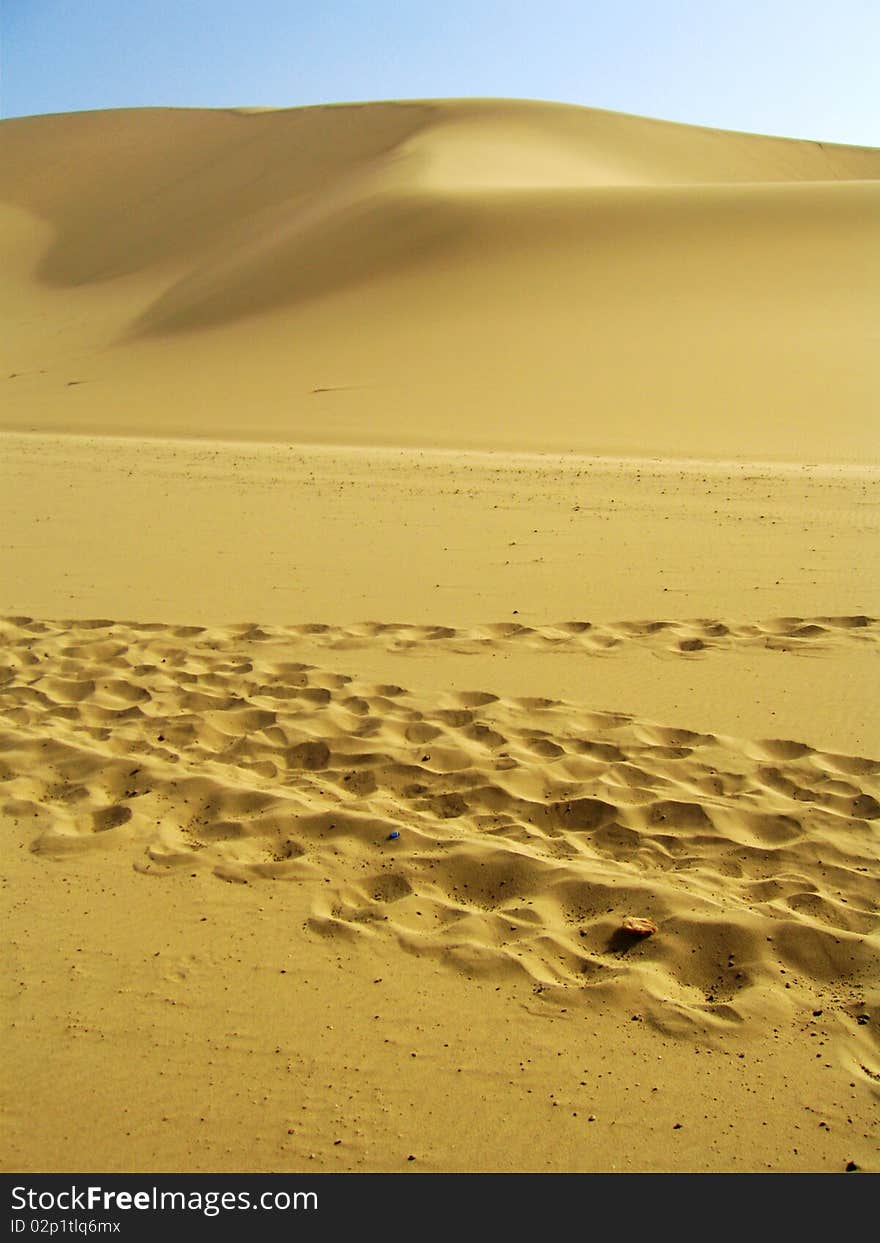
496 265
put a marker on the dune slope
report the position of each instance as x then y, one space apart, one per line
473 273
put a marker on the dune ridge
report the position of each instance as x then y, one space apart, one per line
471 273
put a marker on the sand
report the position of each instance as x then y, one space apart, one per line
434 534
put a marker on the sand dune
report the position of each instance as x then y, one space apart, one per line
464 273
435 534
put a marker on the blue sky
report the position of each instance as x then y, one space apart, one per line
800 68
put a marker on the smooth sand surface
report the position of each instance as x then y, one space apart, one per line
484 274
432 535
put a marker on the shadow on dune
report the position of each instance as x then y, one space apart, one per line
130 190
621 941
343 238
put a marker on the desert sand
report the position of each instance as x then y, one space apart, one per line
435 534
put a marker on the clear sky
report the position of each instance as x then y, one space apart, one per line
799 68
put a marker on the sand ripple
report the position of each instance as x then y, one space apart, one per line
502 835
